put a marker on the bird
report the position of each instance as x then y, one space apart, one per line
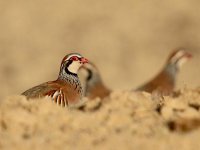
93 84
164 82
66 90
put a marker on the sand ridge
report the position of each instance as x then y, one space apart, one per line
125 120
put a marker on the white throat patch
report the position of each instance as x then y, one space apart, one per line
92 68
182 61
177 56
74 66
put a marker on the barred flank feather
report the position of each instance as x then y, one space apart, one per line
58 97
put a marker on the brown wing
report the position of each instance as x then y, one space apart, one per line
163 83
38 91
60 92
99 90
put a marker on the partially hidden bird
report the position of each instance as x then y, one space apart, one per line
92 82
66 91
164 82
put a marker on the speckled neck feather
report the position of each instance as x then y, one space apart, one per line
71 78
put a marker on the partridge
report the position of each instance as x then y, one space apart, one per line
92 81
67 89
164 82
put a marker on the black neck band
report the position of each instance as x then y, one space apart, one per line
66 69
89 74
70 73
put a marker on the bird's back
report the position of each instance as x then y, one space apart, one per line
163 82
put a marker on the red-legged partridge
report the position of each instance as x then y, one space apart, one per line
67 89
164 82
92 82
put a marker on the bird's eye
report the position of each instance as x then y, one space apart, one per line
74 58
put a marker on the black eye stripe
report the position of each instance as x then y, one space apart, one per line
75 58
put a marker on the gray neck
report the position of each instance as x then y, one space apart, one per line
72 79
172 70
95 79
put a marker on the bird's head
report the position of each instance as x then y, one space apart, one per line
72 62
178 57
89 73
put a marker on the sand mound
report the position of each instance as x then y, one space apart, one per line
125 120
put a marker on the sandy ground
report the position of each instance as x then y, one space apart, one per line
124 121
129 41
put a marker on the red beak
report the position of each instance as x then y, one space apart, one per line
188 55
84 60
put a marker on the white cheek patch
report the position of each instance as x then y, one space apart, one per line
182 61
74 66
88 66
177 56
91 68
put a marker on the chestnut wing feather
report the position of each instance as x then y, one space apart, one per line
49 89
60 92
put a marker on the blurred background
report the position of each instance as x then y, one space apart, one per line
128 40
